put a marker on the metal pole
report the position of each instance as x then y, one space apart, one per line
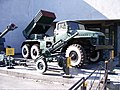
78 84
118 61
106 75
10 63
111 63
84 87
66 67
106 81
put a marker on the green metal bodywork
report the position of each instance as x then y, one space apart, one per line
83 34
35 33
62 34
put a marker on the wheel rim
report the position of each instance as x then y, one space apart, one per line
74 56
34 52
94 56
24 51
40 66
77 55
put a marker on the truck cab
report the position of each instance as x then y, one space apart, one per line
66 28
92 42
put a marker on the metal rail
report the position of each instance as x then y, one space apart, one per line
81 81
104 79
76 84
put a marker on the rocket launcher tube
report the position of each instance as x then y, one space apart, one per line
40 24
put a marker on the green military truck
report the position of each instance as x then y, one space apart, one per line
85 46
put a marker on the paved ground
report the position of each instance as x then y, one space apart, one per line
10 82
53 76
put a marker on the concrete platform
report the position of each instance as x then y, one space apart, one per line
54 74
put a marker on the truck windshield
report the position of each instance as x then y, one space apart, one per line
75 26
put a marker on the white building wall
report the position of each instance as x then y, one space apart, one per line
21 12
109 8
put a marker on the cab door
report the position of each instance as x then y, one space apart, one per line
60 31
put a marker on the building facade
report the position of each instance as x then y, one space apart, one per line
97 15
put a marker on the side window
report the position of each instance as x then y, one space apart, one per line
61 26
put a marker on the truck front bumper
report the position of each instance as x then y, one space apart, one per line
104 47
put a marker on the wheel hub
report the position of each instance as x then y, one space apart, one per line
40 66
93 54
34 52
74 56
24 51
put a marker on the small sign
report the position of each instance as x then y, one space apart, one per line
10 51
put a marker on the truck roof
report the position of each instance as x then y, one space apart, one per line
68 21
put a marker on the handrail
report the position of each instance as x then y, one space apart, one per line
103 78
78 84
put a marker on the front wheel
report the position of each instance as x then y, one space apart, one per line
77 54
41 65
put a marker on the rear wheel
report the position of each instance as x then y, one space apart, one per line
94 56
41 65
26 51
77 54
35 51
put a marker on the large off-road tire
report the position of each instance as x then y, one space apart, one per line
41 65
94 56
35 51
77 54
26 51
